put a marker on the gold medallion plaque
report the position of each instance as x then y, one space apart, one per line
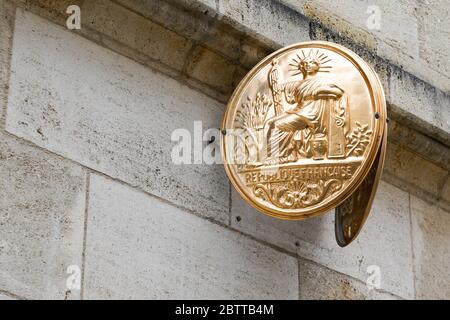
305 132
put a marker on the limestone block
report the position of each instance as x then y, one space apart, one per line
434 32
422 104
140 247
422 145
6 30
445 194
111 114
4 297
266 20
196 20
136 32
431 247
211 69
320 283
55 9
411 34
385 240
42 206
414 171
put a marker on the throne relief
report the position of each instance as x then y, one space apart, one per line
301 119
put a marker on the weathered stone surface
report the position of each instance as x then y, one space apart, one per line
109 113
445 194
330 15
389 50
268 21
384 241
410 100
201 22
412 173
42 207
252 54
218 26
381 66
196 20
421 104
195 5
136 32
211 69
6 29
113 115
423 146
140 247
320 283
54 9
247 219
431 247
412 33
434 32
5 297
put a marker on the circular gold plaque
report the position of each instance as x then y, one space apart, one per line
302 129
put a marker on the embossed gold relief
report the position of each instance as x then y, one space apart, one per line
303 129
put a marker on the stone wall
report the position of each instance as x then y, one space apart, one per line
88 181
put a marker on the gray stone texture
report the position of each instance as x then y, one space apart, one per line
108 97
321 283
136 32
418 95
420 144
111 114
42 207
4 297
384 241
6 32
431 248
419 104
412 173
413 34
140 247
285 27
